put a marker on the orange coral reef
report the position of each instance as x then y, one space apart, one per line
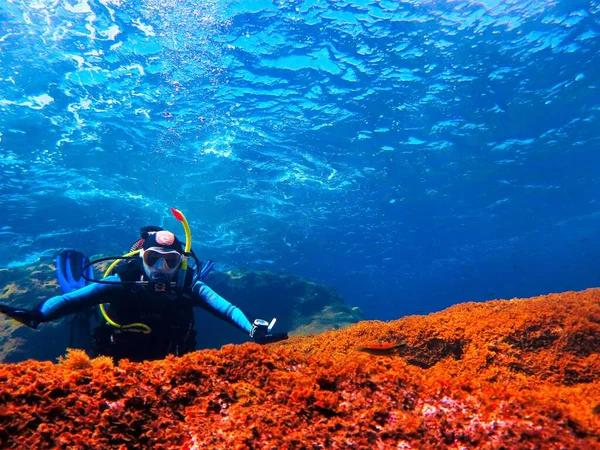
499 375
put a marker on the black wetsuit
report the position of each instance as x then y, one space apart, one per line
169 314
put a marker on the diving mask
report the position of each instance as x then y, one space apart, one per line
160 266
153 256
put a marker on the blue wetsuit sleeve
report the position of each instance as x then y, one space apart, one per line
90 295
208 299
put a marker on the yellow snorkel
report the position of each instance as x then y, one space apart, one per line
141 327
186 227
188 246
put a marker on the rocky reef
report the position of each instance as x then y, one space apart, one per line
300 305
521 373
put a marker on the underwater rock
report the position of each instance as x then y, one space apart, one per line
300 305
506 374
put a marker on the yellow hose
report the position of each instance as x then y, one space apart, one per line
132 326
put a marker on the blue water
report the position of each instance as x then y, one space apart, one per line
412 154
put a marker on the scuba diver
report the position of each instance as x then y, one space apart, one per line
150 299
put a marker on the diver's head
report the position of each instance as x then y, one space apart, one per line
161 255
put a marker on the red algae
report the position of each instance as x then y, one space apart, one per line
497 375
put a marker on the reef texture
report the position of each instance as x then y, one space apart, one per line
498 375
300 305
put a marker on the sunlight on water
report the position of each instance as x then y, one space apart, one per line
347 140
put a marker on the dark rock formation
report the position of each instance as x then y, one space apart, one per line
300 305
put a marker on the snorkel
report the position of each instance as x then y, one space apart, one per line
188 246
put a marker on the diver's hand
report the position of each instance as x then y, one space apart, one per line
28 317
261 332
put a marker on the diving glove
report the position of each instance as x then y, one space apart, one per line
261 332
29 317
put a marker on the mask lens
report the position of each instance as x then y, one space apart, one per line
151 258
172 259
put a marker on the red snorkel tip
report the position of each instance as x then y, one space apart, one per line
177 214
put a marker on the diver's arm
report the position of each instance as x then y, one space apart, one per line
208 299
63 305
90 295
